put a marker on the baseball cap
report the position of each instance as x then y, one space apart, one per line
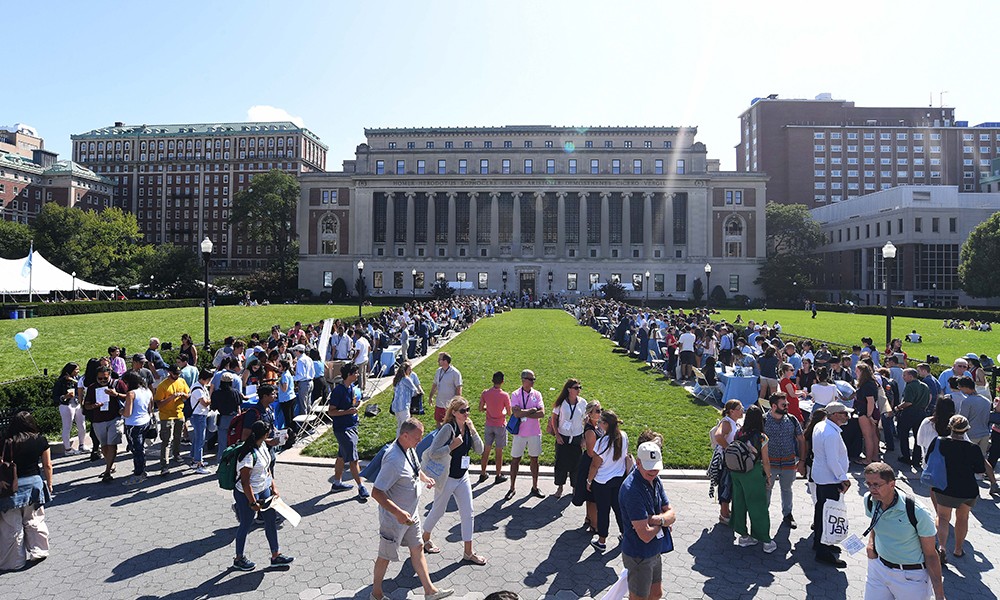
299 348
138 358
837 407
650 456
972 355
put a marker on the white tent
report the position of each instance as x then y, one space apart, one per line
44 278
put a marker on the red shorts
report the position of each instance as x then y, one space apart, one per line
439 414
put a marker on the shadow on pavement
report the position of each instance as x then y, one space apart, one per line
215 587
158 558
585 575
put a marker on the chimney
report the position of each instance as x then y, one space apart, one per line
119 124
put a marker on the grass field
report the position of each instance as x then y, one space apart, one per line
848 329
79 337
550 343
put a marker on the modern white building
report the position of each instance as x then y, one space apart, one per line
536 209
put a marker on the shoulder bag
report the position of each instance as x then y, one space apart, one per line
8 470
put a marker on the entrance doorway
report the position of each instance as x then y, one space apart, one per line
527 279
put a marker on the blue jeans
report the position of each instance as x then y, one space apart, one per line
198 425
246 520
224 421
138 448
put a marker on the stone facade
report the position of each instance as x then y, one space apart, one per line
533 209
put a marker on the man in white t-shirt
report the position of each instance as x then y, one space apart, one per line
686 342
361 350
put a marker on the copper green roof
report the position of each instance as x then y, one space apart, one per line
197 129
16 161
68 167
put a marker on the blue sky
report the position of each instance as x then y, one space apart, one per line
341 67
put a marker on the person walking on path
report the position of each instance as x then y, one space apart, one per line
526 404
976 408
397 494
648 516
963 460
461 437
403 390
64 396
902 561
344 411
566 423
786 452
138 412
830 474
253 493
751 489
496 403
909 414
447 384
24 535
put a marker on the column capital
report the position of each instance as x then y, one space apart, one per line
410 195
605 195
626 195
583 195
538 195
561 195
517 195
390 194
451 195
473 195
648 195
494 195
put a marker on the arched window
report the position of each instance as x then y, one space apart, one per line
329 235
733 236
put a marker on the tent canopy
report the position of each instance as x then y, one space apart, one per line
45 277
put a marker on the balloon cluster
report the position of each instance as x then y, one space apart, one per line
24 338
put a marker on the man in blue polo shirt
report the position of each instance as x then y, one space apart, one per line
902 560
344 412
646 512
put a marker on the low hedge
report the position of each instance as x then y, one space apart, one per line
962 314
33 394
84 307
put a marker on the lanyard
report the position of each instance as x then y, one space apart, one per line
525 397
877 514
413 463
572 410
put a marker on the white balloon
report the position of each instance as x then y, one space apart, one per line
31 333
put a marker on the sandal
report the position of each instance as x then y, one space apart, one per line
430 548
474 559
509 495
943 556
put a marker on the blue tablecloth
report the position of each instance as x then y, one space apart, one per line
744 389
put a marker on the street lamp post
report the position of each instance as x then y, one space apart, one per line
934 296
206 255
708 283
413 273
646 285
74 284
888 259
361 285
550 282
151 294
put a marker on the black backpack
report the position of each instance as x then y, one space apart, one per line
911 509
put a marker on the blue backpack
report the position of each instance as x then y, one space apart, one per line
935 474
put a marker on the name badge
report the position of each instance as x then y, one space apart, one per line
465 462
853 544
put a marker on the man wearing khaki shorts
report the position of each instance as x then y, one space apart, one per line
397 492
526 404
496 403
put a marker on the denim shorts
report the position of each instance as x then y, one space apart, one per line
347 444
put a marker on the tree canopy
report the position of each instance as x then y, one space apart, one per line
792 238
977 270
265 214
15 239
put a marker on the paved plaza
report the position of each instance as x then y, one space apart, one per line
173 539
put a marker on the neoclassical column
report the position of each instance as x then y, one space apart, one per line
539 230
451 224
494 224
605 225
411 211
473 226
561 224
390 224
627 224
431 226
516 239
583 224
668 223
647 225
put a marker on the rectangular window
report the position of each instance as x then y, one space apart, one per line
379 169
680 166
400 167
487 144
572 166
637 166
571 282
680 283
463 166
734 283
421 167
484 166
616 166
377 280
658 166
550 166
917 225
411 145
527 165
595 166
442 166
935 225
467 144
952 225
505 166
680 218
449 145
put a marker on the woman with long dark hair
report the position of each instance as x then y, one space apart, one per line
607 472
750 488
566 422
138 412
866 407
254 487
24 536
581 491
64 395
188 350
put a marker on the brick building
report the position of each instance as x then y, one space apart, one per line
25 185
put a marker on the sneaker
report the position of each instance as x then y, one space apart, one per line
258 519
483 477
500 479
746 541
281 559
790 520
600 546
339 486
243 564
363 494
995 490
164 471
71 452
439 594
201 470
537 493
770 547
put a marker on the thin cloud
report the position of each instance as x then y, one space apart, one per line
263 113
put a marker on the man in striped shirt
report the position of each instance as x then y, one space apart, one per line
786 448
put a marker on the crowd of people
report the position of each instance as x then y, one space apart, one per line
817 411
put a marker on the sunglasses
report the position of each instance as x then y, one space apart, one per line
576 387
528 378
463 411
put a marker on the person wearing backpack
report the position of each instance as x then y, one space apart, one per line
200 406
226 401
253 492
751 487
725 433
963 460
902 560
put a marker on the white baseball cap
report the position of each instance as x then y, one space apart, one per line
650 456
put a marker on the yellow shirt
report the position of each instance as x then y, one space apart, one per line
175 408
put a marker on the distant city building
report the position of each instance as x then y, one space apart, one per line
180 180
26 184
823 151
532 209
928 225
20 139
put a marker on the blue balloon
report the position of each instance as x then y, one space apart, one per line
23 343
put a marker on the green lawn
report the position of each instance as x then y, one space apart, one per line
550 343
848 329
79 337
